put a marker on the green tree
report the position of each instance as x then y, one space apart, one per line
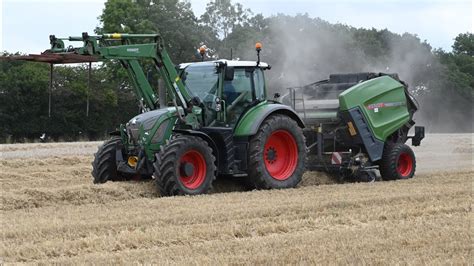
23 99
464 44
221 18
173 19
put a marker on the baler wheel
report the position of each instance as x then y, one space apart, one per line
277 154
185 166
104 166
398 162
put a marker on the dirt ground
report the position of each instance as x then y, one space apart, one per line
51 213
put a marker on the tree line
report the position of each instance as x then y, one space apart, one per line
300 49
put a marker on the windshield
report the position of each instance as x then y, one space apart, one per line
200 79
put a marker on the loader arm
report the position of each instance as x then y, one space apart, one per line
120 47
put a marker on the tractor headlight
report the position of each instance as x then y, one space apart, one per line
132 131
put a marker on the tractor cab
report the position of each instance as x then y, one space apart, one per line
224 88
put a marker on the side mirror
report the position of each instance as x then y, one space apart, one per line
229 73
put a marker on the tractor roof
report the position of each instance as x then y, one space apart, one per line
232 63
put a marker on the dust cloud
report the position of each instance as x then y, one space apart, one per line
302 50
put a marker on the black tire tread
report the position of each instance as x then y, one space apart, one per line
388 164
104 167
165 177
256 167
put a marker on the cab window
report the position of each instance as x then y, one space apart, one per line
238 93
240 88
259 81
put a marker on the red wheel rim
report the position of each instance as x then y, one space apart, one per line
194 178
405 164
280 154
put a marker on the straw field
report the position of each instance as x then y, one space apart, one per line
52 213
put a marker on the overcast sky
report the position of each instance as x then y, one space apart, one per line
26 24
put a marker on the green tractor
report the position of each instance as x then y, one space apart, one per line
215 119
224 127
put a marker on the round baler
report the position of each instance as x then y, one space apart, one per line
357 124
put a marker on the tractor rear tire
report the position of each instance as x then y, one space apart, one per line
277 154
185 166
398 162
104 166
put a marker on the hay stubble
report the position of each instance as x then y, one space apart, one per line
50 212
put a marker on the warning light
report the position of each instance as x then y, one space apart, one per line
202 50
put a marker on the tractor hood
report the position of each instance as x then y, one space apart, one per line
146 121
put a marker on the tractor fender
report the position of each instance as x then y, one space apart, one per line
203 136
250 122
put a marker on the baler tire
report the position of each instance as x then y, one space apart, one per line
260 161
398 162
104 166
170 180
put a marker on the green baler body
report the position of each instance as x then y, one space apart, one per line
383 102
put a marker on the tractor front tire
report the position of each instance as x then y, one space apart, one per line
185 166
104 166
398 162
277 154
